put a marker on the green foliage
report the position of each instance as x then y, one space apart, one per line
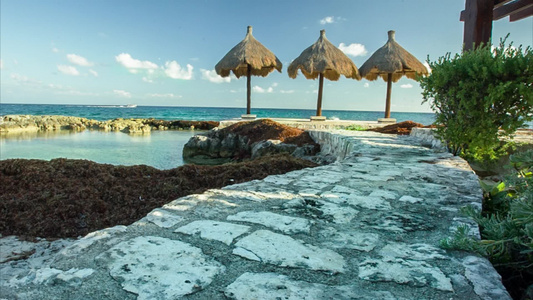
507 228
355 128
480 97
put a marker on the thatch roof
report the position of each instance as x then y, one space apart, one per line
248 52
392 58
323 57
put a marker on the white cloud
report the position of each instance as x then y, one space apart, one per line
174 70
1 64
426 64
286 92
68 70
353 49
406 86
79 60
327 20
260 90
75 93
146 79
168 95
55 50
275 84
212 76
93 72
122 93
131 63
21 78
366 84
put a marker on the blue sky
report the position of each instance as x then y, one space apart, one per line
164 52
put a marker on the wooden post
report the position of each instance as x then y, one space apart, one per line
478 23
319 101
387 101
249 90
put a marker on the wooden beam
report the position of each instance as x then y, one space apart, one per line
500 7
511 8
528 12
478 23
498 3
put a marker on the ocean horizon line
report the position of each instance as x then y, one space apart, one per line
213 107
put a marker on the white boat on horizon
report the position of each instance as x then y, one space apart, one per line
131 105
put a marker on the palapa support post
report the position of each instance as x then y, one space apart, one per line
478 23
249 89
389 90
319 101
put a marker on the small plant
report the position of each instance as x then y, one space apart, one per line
355 127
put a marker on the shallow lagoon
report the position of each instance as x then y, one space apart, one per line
159 149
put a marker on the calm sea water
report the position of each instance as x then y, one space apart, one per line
198 113
160 149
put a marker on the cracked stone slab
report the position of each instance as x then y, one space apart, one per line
350 240
369 202
50 276
163 218
286 224
389 195
415 273
410 199
159 268
400 222
417 251
236 194
340 214
80 245
214 230
276 286
486 281
282 250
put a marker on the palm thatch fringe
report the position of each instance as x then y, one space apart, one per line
392 59
249 52
323 57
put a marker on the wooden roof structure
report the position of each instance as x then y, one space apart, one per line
479 15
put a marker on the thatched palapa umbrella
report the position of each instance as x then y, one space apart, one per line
391 62
249 57
323 59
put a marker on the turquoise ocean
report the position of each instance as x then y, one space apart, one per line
160 149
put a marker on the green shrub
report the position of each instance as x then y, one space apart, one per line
355 127
480 97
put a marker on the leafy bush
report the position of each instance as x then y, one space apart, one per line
480 97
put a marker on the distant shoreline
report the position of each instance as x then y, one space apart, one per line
14 124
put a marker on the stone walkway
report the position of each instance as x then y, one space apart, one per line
365 227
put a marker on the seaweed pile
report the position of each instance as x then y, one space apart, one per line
70 198
402 128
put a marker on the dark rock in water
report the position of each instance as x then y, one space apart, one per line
248 140
269 147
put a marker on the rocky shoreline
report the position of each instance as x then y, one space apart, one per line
14 124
